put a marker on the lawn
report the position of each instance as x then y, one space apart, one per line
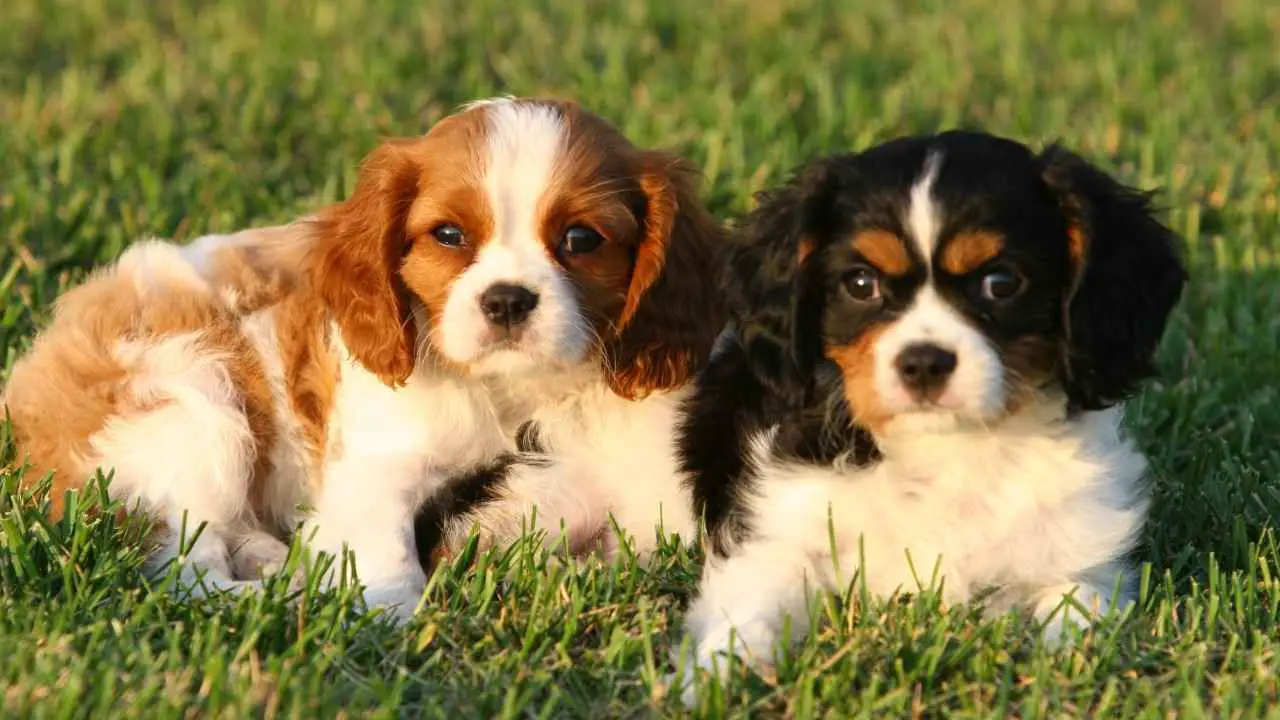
119 120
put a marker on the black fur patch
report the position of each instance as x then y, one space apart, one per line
461 495
527 440
717 424
729 408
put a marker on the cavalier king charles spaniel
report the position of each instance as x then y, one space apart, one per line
934 339
520 276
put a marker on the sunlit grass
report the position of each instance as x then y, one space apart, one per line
121 119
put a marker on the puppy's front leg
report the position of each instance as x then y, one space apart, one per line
367 506
1072 605
745 603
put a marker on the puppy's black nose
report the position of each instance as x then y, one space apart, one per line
925 367
507 305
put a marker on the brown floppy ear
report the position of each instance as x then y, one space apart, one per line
672 312
360 244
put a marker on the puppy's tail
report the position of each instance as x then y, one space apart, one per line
244 271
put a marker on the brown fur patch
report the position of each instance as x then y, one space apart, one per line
856 361
71 384
884 250
310 367
374 251
596 185
1077 244
673 310
804 250
969 250
1077 251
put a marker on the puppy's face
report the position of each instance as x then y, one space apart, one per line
522 236
954 278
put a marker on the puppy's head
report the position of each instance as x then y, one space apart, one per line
522 236
954 277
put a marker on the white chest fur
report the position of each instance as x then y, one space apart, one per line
1022 504
1038 509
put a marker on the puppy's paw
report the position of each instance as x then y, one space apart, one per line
397 600
712 660
258 556
1065 611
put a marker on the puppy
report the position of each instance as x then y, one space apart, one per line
934 340
624 312
521 261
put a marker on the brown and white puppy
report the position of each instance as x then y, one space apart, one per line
520 262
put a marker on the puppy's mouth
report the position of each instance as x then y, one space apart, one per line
504 339
937 411
518 352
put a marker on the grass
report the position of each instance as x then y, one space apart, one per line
120 119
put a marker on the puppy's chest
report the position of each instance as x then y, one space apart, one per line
958 492
447 423
976 476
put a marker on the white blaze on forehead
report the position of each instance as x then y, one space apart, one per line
523 149
525 142
923 219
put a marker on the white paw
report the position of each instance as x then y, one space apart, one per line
711 661
1059 631
258 556
1066 611
685 678
398 600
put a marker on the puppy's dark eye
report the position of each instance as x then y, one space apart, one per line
863 284
580 240
1000 285
449 235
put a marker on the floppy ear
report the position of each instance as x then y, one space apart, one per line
360 244
1127 278
774 295
672 311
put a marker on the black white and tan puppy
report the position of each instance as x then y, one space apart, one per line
934 341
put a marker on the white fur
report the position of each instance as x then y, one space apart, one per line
155 265
615 468
1038 504
190 457
976 389
292 482
614 461
924 221
525 143
393 448
555 335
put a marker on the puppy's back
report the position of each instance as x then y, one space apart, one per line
115 337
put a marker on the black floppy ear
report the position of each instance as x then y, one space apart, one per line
1127 278
777 309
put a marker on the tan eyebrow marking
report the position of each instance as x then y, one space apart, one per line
883 249
969 250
